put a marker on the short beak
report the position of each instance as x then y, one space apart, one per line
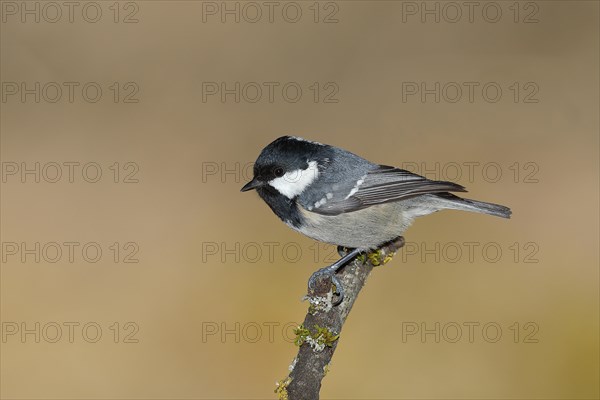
253 184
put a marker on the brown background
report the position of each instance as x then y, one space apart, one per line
177 289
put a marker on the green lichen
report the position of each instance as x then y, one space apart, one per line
379 257
325 336
325 370
317 340
281 388
301 334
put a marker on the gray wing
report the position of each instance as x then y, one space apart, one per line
383 184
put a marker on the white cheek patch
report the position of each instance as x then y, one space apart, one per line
294 182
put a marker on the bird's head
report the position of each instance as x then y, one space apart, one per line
288 165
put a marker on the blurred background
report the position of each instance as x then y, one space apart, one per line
132 266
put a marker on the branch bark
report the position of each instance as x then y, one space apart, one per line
323 322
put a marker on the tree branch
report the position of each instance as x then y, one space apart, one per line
318 335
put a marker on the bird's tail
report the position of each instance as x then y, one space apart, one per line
458 203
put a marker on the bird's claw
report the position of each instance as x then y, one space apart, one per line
338 289
316 280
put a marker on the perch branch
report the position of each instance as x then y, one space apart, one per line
317 336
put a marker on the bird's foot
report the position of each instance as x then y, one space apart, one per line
326 276
321 281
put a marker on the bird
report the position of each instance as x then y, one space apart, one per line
335 196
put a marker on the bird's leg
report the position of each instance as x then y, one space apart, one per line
330 272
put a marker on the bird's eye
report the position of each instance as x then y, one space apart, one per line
278 172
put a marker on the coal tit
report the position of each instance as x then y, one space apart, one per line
337 197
